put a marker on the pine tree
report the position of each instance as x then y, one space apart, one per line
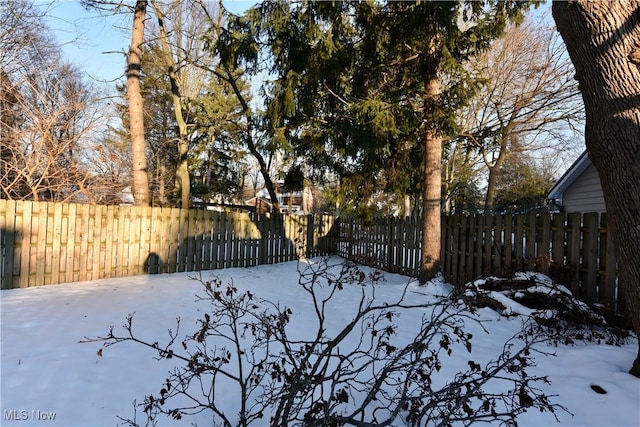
368 89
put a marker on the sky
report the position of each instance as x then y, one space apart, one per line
51 378
97 43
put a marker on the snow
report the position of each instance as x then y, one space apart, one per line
50 378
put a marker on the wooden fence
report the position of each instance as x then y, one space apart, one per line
47 243
390 243
575 249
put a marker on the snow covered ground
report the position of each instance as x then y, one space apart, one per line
50 379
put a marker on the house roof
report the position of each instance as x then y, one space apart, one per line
257 199
570 176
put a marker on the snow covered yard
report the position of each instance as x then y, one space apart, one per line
49 378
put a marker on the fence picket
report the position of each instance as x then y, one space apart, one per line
471 235
25 219
608 259
543 257
39 257
498 245
8 242
98 247
109 248
558 240
120 230
461 266
590 257
507 252
173 240
574 221
487 243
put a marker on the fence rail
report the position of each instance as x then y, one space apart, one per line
45 243
575 249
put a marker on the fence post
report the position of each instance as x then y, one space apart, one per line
7 240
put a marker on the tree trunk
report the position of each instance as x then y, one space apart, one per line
136 110
495 169
490 197
431 192
603 41
183 181
264 169
406 209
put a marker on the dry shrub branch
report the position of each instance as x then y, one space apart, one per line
359 373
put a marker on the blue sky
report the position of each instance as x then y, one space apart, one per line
96 43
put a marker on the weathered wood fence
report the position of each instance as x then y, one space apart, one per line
575 249
47 243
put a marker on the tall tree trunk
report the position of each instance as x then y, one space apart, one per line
603 41
490 196
183 182
432 188
495 167
264 168
136 110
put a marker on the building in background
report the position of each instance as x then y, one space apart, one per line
579 189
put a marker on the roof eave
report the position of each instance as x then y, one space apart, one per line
570 176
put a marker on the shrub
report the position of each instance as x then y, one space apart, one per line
360 374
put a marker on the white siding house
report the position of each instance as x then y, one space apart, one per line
579 189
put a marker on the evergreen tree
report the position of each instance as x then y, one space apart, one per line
367 89
217 156
522 185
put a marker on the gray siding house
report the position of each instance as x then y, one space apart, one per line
579 189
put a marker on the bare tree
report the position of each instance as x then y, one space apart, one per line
42 158
111 164
47 114
356 373
529 101
603 41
